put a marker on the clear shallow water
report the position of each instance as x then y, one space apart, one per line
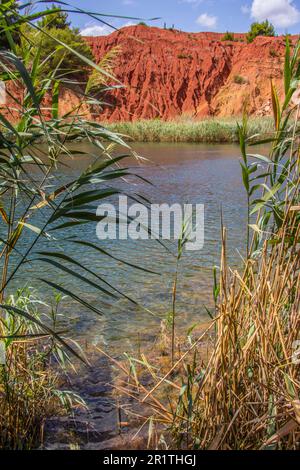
181 173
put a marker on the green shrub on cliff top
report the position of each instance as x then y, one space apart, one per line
260 29
228 36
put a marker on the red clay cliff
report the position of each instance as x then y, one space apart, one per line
168 73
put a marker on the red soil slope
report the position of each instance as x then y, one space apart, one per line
170 73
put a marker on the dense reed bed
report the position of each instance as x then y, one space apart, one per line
194 131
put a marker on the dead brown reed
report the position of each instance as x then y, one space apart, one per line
246 396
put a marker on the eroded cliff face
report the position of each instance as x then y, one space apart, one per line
168 74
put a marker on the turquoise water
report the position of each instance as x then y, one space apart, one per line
180 173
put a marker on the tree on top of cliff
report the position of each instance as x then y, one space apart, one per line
260 29
52 29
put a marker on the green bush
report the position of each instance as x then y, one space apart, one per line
239 80
260 29
228 36
58 29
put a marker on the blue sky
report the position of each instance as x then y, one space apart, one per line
193 15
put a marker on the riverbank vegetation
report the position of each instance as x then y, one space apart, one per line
189 130
31 385
245 393
39 210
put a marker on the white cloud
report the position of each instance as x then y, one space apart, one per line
128 2
95 30
282 13
92 29
207 21
129 23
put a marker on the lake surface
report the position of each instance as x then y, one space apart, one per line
180 173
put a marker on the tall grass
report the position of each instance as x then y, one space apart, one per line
31 389
35 206
194 131
245 395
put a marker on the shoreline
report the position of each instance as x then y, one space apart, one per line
214 131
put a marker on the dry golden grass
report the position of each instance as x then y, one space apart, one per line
27 396
249 397
243 394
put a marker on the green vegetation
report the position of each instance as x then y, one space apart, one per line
289 39
228 36
9 16
35 208
48 35
239 80
242 391
274 53
209 130
30 388
260 29
184 56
